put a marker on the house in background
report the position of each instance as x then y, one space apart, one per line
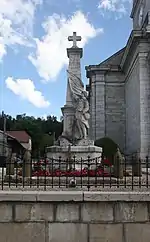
8 146
22 137
3 143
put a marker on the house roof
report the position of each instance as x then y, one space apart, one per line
12 138
8 135
21 135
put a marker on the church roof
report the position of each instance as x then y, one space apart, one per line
113 63
113 60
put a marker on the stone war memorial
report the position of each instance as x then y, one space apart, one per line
38 204
74 141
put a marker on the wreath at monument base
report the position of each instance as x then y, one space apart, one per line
100 172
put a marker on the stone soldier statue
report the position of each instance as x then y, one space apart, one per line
82 117
81 106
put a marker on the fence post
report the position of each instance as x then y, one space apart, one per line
10 160
118 165
136 165
27 164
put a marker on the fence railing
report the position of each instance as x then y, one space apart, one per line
89 174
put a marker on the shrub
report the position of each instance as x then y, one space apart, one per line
109 147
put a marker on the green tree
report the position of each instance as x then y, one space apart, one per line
46 141
39 129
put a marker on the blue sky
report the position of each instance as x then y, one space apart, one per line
33 42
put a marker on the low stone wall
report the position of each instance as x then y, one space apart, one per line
72 216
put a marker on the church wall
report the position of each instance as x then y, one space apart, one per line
132 100
138 101
114 108
147 7
145 103
97 107
136 14
136 19
107 107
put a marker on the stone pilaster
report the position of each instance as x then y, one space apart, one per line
144 77
100 106
93 109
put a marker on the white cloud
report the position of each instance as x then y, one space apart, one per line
26 90
16 21
51 56
120 7
2 51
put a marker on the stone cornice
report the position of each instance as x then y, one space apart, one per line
75 50
93 69
134 36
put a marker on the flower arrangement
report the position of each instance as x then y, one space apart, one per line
106 162
41 169
75 173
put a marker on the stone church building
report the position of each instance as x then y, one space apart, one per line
119 89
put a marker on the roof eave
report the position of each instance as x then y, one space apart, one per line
134 36
93 69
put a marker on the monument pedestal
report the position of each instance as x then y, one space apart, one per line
74 152
77 157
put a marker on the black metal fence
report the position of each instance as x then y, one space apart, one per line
89 174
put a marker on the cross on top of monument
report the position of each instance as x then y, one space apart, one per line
74 38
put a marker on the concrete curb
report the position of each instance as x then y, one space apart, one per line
72 196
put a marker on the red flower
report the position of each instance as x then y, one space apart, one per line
100 172
91 173
78 173
84 172
58 173
75 173
107 162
